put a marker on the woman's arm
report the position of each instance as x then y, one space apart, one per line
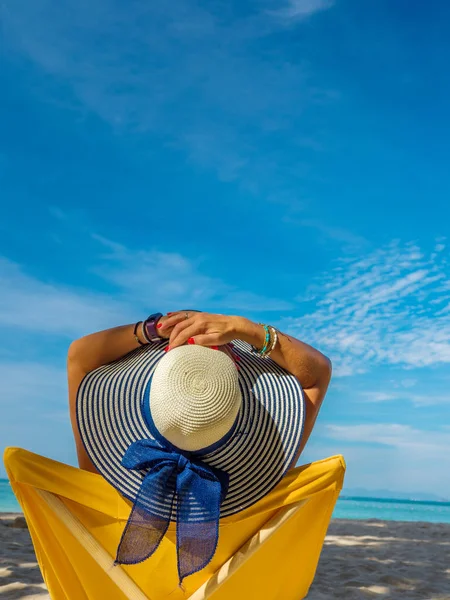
87 354
100 348
311 367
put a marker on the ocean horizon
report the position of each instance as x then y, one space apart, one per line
391 509
347 507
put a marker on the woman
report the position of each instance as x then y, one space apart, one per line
309 366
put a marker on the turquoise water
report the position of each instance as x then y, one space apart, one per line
392 510
346 508
8 502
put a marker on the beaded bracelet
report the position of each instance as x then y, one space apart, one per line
267 340
274 342
270 341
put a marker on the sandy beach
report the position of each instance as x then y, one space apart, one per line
361 559
20 576
384 559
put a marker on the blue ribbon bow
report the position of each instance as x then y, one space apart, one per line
199 490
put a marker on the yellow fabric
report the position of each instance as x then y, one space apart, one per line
283 568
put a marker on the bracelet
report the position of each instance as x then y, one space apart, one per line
274 342
267 341
270 341
136 335
144 333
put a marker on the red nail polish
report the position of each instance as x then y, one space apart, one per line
167 348
214 347
171 313
191 341
159 325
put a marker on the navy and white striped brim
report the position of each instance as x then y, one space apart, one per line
264 446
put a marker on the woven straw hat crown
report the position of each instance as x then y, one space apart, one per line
194 396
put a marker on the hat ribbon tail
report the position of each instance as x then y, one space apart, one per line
199 489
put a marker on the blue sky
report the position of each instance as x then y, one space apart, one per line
282 159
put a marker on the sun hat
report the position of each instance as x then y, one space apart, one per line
189 438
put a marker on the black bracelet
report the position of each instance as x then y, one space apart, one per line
136 335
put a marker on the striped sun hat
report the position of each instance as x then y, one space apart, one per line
188 437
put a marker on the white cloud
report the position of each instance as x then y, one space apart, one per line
142 280
190 73
394 456
408 382
381 308
329 232
170 279
429 399
387 467
38 306
302 9
425 399
403 437
379 396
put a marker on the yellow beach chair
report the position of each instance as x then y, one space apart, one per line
269 551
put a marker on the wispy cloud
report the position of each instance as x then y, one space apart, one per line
165 279
408 382
426 399
301 9
429 444
57 309
386 307
383 308
141 279
184 72
380 397
330 232
394 456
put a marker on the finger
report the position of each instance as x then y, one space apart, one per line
207 339
164 334
184 324
173 320
183 332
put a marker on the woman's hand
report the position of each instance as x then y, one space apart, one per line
204 329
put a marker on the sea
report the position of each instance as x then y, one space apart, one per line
389 509
347 507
